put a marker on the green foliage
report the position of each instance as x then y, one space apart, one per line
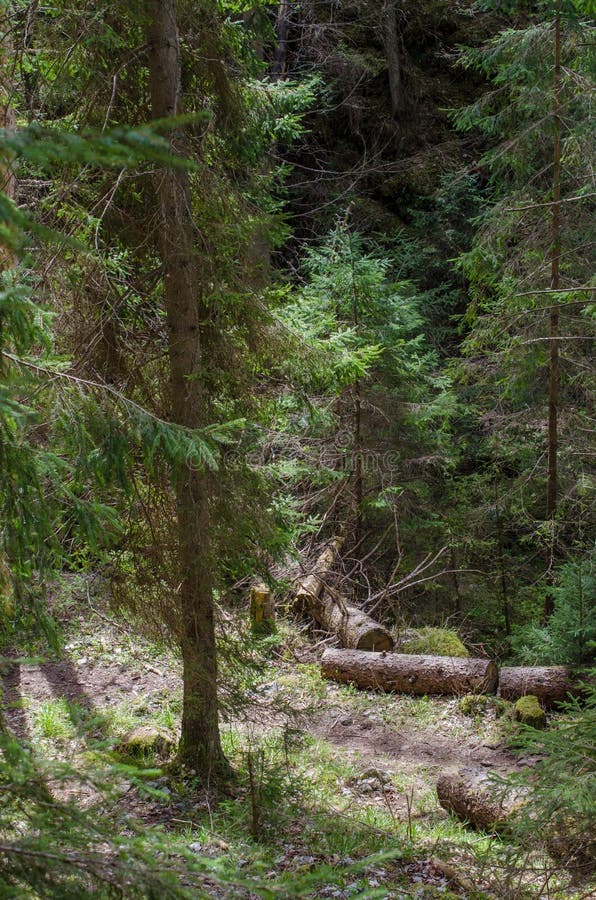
442 227
562 784
53 848
570 634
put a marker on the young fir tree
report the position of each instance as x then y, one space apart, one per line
374 400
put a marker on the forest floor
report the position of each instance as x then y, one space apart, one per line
334 784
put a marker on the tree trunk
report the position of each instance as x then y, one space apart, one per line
553 390
551 684
282 27
200 746
391 41
355 628
474 797
309 587
410 674
8 181
501 559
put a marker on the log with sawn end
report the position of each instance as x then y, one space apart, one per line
478 798
354 627
409 674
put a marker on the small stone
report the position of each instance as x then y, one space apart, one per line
195 847
347 720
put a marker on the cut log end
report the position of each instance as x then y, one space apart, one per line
354 627
376 639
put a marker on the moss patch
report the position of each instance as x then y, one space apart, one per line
529 712
147 739
436 642
473 704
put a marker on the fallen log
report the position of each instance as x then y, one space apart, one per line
409 674
354 628
475 797
550 684
309 587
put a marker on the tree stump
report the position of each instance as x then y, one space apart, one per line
262 610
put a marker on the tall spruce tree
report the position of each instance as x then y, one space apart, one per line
200 742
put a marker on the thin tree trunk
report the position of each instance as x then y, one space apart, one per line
8 181
502 574
282 27
357 453
200 746
391 41
553 392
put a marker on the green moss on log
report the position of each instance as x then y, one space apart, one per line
529 712
435 642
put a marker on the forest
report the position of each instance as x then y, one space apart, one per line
297 584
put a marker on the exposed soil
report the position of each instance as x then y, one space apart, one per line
382 745
394 746
90 685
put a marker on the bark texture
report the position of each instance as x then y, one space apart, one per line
262 609
391 41
8 181
200 745
282 28
474 797
354 628
410 674
550 684
309 587
554 334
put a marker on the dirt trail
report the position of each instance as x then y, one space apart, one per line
383 745
90 685
361 732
